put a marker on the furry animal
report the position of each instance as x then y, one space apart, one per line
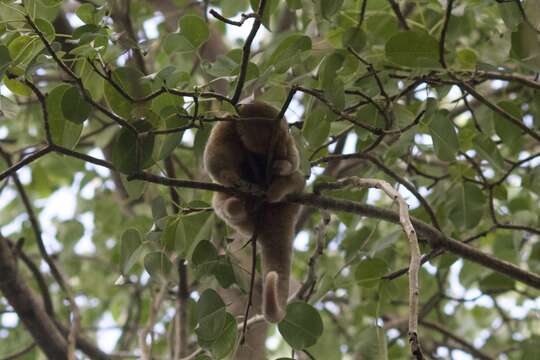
236 154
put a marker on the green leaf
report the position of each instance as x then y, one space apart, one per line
496 282
69 232
302 325
510 14
63 132
372 343
194 29
159 208
329 8
355 38
17 87
86 12
174 237
225 341
468 206
130 249
507 131
467 59
330 65
413 49
46 28
158 264
333 86
368 272
176 43
51 3
198 226
443 134
10 109
130 152
5 59
525 46
205 252
294 4
131 81
489 151
316 128
288 51
23 48
74 107
211 316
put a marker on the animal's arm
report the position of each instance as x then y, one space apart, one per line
287 157
224 154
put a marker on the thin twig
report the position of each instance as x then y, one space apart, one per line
146 350
222 18
253 241
246 51
442 40
320 231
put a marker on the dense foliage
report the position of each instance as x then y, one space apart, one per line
102 103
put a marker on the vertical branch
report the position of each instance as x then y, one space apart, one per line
307 287
414 249
246 51
146 350
443 33
182 296
399 15
253 241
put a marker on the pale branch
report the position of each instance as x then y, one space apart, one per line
146 350
379 164
305 291
414 249
435 237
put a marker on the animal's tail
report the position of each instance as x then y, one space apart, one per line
276 236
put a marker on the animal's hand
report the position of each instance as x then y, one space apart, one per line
282 186
229 178
282 167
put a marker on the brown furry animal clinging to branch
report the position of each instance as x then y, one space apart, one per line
236 154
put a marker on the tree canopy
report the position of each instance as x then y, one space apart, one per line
418 125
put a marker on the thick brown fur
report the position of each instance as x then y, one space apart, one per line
236 154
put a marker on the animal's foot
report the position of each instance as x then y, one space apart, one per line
235 210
